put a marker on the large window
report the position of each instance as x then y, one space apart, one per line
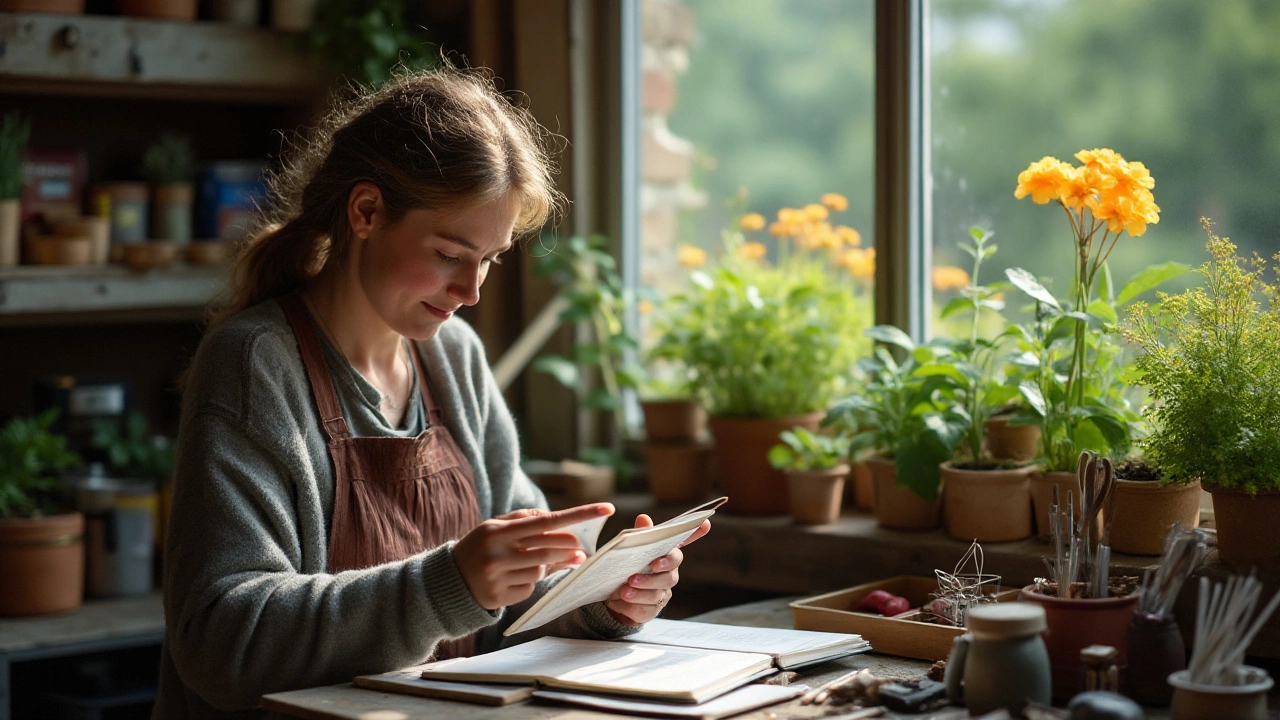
752 106
1187 87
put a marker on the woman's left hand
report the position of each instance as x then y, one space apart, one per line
645 594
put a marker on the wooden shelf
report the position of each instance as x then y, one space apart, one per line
36 294
127 57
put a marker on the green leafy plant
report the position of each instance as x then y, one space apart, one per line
1210 359
803 450
970 368
893 414
366 39
170 159
589 282
134 452
764 340
31 457
15 132
1104 419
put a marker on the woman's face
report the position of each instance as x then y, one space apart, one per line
416 272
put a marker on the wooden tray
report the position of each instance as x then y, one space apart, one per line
900 635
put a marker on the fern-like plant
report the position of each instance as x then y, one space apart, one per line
14 134
1211 362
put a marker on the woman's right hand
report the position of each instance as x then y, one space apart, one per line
502 558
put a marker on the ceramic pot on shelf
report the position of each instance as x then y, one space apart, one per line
42 561
1246 526
815 495
1245 701
1019 443
171 212
63 7
897 507
1156 650
863 486
1001 663
182 10
678 472
987 505
1145 510
10 232
742 445
1042 484
673 420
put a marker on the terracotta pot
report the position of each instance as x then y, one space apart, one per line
57 250
1076 623
206 252
1246 526
10 231
987 505
864 487
742 463
96 228
184 10
673 420
1246 701
1042 484
66 7
236 12
678 472
897 507
42 562
1011 442
148 255
1144 512
815 494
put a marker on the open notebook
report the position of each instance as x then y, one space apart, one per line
789 648
604 570
664 672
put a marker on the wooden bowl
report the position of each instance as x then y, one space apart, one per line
60 250
207 252
150 254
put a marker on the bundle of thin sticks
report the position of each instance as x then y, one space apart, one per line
1183 552
1224 629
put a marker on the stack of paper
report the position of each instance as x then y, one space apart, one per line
789 648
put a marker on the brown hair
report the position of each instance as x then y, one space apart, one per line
441 139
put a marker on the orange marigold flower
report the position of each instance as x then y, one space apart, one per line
752 250
787 216
808 240
1042 180
1100 157
949 277
779 229
849 235
691 257
860 263
835 202
751 222
814 211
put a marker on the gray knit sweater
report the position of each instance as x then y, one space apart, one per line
249 606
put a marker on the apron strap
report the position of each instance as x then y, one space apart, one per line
304 329
434 415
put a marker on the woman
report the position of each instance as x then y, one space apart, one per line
349 497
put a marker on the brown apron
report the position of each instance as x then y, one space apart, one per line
393 497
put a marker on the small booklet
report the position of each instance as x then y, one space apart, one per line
604 570
736 702
789 648
409 681
656 672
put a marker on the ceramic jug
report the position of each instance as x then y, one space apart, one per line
1001 663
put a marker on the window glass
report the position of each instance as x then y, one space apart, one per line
754 106
1186 87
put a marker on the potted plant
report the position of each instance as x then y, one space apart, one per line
889 416
676 451
1073 390
815 467
1210 359
14 134
361 39
169 165
41 545
765 341
1147 505
985 500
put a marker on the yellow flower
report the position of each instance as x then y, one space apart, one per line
949 277
751 222
778 229
808 240
1101 158
815 212
788 216
1042 180
849 235
691 257
860 263
752 250
645 307
835 202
